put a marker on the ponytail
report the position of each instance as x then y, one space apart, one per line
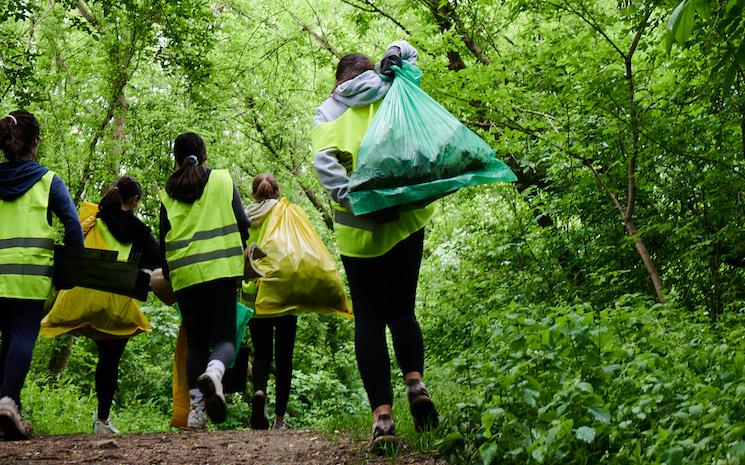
187 182
124 189
265 187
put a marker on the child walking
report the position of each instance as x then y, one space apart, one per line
29 194
268 333
109 319
203 231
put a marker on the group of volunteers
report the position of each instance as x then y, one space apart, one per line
205 234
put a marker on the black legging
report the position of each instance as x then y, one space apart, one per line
107 373
280 330
383 294
208 314
19 326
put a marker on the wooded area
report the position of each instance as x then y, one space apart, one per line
590 313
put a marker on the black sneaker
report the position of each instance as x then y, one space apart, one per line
423 410
258 415
383 434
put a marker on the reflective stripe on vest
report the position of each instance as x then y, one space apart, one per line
204 242
27 244
355 236
123 250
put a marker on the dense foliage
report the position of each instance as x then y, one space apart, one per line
590 313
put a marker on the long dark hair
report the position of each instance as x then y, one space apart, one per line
19 134
124 189
265 187
352 65
187 182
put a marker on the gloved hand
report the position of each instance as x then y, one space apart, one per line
392 58
386 215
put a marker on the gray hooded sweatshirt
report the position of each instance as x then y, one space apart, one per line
363 90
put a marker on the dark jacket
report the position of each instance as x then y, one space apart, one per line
17 177
128 229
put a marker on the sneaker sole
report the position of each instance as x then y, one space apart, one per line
258 419
424 413
213 404
10 430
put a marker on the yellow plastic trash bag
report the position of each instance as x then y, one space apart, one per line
300 274
180 386
89 312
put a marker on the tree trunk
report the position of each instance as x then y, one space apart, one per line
654 275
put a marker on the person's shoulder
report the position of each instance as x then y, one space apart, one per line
328 111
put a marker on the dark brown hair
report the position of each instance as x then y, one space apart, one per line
19 135
352 65
265 187
187 182
124 189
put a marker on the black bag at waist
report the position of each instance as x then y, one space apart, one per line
99 269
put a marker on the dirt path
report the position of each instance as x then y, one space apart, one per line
222 447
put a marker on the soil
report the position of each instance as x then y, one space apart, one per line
220 447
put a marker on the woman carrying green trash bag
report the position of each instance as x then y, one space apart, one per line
381 251
203 231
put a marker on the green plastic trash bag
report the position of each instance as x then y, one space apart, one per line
415 151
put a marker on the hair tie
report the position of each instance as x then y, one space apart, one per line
15 121
191 160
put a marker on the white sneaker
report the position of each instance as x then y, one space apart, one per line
12 425
197 418
210 383
104 428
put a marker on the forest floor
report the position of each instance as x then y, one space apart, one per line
219 447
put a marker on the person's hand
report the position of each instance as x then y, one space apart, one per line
386 215
387 62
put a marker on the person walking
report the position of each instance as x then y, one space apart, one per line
275 332
29 194
203 231
109 319
381 251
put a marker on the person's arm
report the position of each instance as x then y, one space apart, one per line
165 226
332 175
62 206
240 216
151 257
403 50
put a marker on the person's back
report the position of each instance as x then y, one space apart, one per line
29 194
203 230
381 251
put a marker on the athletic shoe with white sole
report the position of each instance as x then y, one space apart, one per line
12 425
210 384
104 428
197 418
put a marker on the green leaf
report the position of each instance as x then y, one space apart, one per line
681 21
586 434
740 54
600 414
703 8
488 452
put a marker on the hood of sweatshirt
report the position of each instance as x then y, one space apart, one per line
257 212
17 177
363 90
